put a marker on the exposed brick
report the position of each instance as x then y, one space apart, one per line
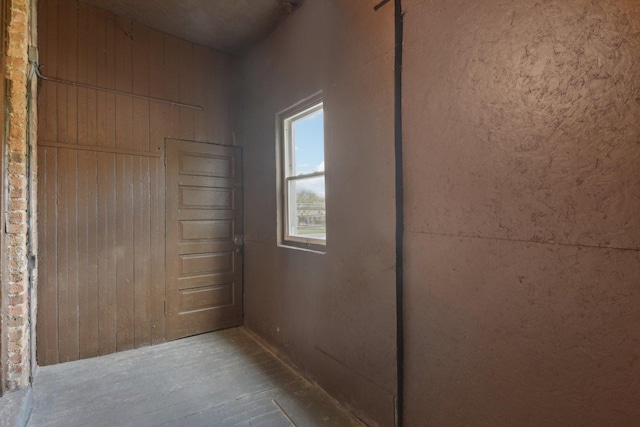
15 358
15 346
15 288
16 368
17 180
17 241
18 193
17 310
15 334
16 299
17 168
14 64
17 157
15 318
15 321
17 205
17 217
16 228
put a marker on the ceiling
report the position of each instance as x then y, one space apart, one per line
225 25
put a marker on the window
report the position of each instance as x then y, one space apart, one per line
303 221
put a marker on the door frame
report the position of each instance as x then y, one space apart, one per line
164 177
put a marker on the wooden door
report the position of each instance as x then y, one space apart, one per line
203 237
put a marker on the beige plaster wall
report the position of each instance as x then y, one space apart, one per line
332 315
522 184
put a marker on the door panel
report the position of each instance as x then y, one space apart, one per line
204 217
101 267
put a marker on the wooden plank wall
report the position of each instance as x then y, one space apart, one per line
101 172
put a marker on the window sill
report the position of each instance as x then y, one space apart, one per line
304 247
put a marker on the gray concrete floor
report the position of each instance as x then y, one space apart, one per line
15 407
223 379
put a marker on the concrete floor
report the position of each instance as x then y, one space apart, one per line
15 407
223 378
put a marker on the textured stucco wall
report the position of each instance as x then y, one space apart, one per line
15 275
332 315
522 156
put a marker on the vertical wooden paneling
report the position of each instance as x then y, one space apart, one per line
62 257
124 244
157 272
141 87
72 71
102 214
141 138
63 12
87 54
211 88
141 112
84 306
82 247
156 211
42 53
155 41
92 263
199 76
99 28
44 305
171 80
187 89
87 255
109 82
47 332
73 314
106 254
82 66
124 82
43 92
142 251
225 93
92 74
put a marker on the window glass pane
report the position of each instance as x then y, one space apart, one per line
307 217
308 139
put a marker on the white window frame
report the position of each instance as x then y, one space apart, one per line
286 166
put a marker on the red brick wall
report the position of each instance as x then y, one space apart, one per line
16 318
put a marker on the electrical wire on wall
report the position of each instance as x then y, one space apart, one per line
114 91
